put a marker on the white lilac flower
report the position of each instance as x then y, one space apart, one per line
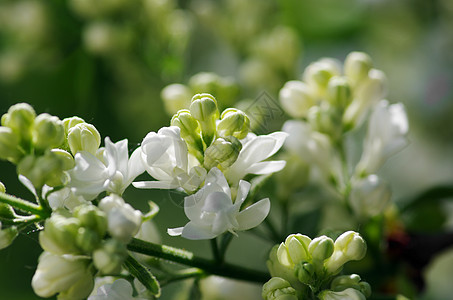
387 130
211 210
166 158
113 172
255 149
120 289
70 276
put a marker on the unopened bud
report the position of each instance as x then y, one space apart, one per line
233 122
204 108
345 281
223 152
189 129
48 132
92 217
2 187
66 159
175 97
339 92
9 143
318 74
278 289
68 123
45 169
87 240
109 258
349 293
20 119
59 235
304 272
7 211
348 246
369 196
84 137
356 66
294 250
321 248
296 98
325 119
7 236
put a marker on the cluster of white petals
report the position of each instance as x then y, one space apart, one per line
110 170
212 211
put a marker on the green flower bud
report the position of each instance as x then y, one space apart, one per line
326 119
175 97
60 235
294 250
84 137
68 123
222 153
9 143
109 258
356 66
348 246
20 119
2 187
66 159
350 294
87 240
190 129
365 288
7 236
278 289
318 74
45 169
92 217
321 248
339 92
204 108
296 98
7 211
48 132
304 272
233 122
343 282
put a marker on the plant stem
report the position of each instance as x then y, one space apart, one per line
215 250
180 275
274 233
189 259
225 242
24 205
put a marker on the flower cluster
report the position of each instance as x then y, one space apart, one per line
301 267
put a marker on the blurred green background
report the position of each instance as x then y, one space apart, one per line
108 60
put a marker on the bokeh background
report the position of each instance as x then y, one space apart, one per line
108 60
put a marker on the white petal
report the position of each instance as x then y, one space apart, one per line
27 183
216 176
266 167
216 202
243 190
135 165
253 215
154 185
175 231
194 231
88 167
256 150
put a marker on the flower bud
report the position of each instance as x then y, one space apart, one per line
45 169
203 107
345 281
339 92
294 250
175 97
84 137
9 143
321 248
92 217
7 235
318 74
109 258
2 187
223 152
304 272
348 246
189 129
369 196
48 132
326 119
278 289
87 240
20 119
66 159
71 277
296 98
356 66
350 294
68 123
59 235
233 122
6 210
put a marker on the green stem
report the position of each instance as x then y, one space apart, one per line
189 259
271 227
215 250
24 205
21 221
180 275
226 240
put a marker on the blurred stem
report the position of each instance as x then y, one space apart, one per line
273 231
215 250
181 275
285 217
25 206
224 243
189 259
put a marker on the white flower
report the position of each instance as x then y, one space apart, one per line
70 276
113 173
387 130
255 149
123 220
63 198
166 158
369 196
212 212
121 289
